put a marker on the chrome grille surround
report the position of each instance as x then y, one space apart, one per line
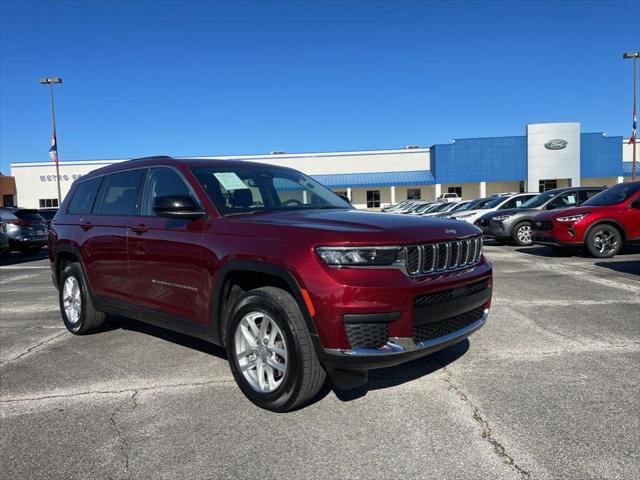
442 256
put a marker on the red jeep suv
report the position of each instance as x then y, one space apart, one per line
270 264
602 224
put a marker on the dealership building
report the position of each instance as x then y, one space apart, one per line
547 156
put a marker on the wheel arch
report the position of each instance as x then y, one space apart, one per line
246 274
607 221
65 254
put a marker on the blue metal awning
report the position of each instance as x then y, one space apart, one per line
626 168
378 179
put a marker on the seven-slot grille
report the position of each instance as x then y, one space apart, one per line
444 256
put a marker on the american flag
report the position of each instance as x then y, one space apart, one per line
53 151
634 132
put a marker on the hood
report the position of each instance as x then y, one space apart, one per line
351 226
513 211
564 212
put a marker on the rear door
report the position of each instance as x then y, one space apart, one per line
167 272
105 245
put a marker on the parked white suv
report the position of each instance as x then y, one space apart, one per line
449 197
495 203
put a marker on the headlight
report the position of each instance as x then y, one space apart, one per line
572 218
360 256
501 217
466 215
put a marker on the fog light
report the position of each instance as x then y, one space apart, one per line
572 231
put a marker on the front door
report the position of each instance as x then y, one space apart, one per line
166 267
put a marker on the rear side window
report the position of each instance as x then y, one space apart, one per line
85 194
122 193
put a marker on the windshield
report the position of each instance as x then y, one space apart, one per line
540 200
495 202
471 205
441 207
259 188
459 206
613 195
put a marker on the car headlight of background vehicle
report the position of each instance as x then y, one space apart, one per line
360 256
466 215
572 218
501 217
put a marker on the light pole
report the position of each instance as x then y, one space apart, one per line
54 142
634 55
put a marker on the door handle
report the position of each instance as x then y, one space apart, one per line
139 228
86 226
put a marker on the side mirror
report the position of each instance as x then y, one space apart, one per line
636 203
177 206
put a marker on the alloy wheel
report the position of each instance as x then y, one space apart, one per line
605 241
524 234
261 351
71 300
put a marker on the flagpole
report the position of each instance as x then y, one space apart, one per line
53 116
635 88
54 139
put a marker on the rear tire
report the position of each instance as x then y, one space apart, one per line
76 307
270 351
604 241
522 234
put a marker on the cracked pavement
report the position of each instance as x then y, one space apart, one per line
547 389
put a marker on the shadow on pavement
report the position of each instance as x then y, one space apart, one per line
631 266
115 322
407 372
16 258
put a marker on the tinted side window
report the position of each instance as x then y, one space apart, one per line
566 200
6 215
122 193
84 196
587 194
163 182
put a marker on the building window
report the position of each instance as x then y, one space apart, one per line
373 198
413 194
521 187
544 185
48 202
7 201
456 190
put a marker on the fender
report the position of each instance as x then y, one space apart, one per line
615 223
70 248
219 321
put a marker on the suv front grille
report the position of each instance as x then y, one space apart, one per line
448 325
543 225
444 256
446 295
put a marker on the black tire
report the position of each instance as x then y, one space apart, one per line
304 376
89 319
5 253
604 241
519 234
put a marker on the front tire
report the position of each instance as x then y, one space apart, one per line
76 307
604 241
522 234
270 351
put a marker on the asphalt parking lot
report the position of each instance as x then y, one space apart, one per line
548 389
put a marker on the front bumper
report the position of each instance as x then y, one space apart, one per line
499 230
27 242
551 232
349 368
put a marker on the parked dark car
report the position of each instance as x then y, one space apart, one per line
4 239
602 224
514 225
48 214
26 229
270 264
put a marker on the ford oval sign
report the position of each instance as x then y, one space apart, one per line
556 144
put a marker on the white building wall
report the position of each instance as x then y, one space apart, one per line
544 163
35 181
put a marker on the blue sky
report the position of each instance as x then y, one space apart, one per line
205 78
